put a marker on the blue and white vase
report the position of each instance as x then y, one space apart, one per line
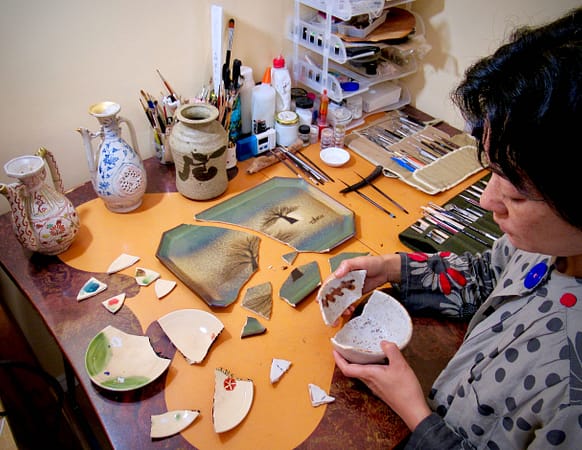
117 171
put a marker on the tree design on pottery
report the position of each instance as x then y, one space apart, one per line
198 165
279 212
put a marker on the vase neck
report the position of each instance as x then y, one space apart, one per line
110 127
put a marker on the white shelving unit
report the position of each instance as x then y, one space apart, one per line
321 57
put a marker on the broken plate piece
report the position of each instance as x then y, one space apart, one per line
300 283
289 210
214 262
92 287
278 368
252 327
290 257
337 294
171 422
163 287
259 299
318 396
123 261
145 277
233 398
115 303
383 319
192 331
119 361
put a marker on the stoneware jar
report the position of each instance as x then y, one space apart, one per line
43 218
198 143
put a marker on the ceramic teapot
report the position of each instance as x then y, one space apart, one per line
43 218
116 168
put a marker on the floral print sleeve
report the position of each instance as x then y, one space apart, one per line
448 284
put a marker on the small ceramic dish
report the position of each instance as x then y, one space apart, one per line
334 156
383 319
118 361
192 331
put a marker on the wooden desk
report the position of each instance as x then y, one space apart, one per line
356 419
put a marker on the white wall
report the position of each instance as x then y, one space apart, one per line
462 31
61 56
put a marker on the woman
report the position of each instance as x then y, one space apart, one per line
516 381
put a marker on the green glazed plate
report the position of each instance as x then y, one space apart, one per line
118 361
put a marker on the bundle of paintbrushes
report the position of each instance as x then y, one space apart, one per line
227 102
160 115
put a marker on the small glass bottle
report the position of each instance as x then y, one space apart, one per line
304 134
326 138
339 133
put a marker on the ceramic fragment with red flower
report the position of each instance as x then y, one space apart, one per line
233 398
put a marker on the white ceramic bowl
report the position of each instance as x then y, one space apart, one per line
383 319
334 156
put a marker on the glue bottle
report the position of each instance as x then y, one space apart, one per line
245 94
263 105
323 105
281 81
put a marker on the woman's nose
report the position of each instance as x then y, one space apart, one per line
490 198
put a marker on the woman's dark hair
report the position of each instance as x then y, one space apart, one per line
526 95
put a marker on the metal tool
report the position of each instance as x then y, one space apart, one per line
382 193
369 200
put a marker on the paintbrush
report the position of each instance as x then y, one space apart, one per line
226 66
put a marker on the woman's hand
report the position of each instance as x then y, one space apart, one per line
395 383
380 269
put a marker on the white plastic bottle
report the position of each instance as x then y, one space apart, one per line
281 81
246 93
263 105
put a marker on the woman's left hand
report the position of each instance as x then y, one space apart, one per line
394 383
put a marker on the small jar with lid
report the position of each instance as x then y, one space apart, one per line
286 127
304 134
304 109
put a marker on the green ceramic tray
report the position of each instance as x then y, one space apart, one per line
289 210
213 262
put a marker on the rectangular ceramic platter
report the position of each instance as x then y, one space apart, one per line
289 210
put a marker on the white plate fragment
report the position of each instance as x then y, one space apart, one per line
91 287
233 398
163 287
171 422
145 277
114 304
318 396
123 261
278 368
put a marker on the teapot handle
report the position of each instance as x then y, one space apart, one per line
131 133
52 165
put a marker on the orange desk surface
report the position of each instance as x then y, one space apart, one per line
281 415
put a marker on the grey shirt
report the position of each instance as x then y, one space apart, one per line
516 381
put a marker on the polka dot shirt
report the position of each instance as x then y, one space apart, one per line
516 381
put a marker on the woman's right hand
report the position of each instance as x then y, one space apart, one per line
379 269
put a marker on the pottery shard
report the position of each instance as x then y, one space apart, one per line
336 294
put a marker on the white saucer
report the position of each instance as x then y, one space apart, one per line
334 156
